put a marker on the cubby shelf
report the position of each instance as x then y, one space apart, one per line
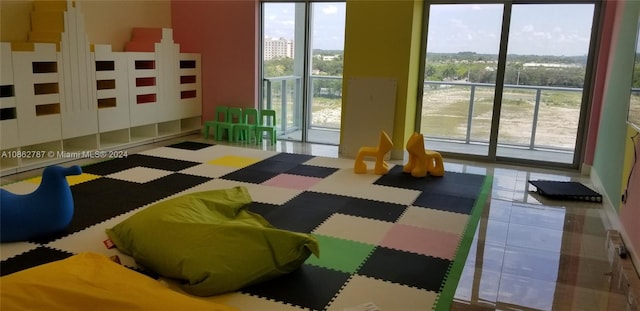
120 100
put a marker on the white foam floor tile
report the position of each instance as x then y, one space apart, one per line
434 219
258 193
247 302
364 230
21 187
178 154
139 174
92 240
331 162
361 290
345 182
222 150
209 170
12 249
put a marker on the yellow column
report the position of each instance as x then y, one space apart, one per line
383 39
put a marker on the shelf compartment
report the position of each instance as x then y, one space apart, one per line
106 84
145 81
107 102
188 94
7 113
86 143
51 151
187 64
169 128
145 98
143 132
7 91
111 139
105 65
190 124
145 64
46 88
9 162
187 79
47 109
44 67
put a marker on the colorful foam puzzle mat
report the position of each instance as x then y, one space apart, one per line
393 240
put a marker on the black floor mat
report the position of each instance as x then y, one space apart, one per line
566 190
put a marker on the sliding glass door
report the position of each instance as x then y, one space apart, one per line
302 53
506 81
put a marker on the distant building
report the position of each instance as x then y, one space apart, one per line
551 65
280 47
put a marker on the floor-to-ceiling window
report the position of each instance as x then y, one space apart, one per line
302 53
508 80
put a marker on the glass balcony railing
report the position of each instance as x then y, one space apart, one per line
284 95
532 117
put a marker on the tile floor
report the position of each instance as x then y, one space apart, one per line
527 254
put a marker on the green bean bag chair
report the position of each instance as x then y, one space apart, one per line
211 242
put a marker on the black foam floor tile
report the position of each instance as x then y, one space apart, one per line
311 171
100 199
190 145
250 175
135 160
262 209
383 211
291 158
406 268
272 166
397 178
308 287
297 219
454 189
445 202
309 200
35 257
451 181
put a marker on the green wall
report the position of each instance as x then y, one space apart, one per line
612 134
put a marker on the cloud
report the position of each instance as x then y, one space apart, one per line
527 28
330 9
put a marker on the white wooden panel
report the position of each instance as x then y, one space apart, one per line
9 134
168 65
191 107
78 109
370 108
145 113
6 70
7 102
46 99
46 77
8 128
114 118
33 129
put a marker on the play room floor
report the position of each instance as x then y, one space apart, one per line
528 253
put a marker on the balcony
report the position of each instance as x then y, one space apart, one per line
537 122
284 95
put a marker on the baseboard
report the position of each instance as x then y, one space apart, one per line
612 220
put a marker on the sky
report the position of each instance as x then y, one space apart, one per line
551 29
328 23
538 29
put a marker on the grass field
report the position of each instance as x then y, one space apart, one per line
445 115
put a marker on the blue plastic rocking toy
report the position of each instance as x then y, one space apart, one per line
46 210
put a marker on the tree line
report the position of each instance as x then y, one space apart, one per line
463 66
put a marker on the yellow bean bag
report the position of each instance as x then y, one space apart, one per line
89 281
